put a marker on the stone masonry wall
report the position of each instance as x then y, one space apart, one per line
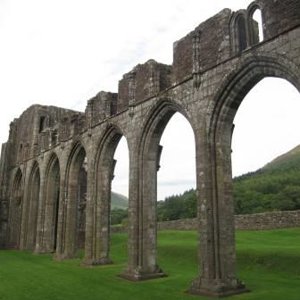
261 221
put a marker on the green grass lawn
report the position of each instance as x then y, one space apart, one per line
268 262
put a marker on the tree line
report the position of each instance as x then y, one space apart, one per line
274 187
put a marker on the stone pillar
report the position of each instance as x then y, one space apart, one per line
61 218
90 215
39 247
34 195
97 245
70 220
25 209
216 219
50 202
142 263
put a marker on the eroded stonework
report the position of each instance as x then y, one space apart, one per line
57 165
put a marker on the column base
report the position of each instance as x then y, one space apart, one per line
63 256
139 275
217 287
41 251
97 262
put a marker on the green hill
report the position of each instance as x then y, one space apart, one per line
276 186
285 161
118 201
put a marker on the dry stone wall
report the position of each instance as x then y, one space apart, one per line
261 221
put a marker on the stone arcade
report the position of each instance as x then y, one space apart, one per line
57 165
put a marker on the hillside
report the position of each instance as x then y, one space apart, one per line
276 186
285 161
118 201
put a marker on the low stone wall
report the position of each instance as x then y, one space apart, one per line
269 220
182 224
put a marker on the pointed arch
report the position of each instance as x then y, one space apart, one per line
30 211
73 219
255 23
239 31
251 70
15 215
219 236
156 122
98 244
142 206
51 204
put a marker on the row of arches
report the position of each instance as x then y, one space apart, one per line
64 207
77 192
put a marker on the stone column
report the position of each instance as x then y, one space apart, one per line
61 218
216 219
25 209
98 220
71 216
39 245
142 263
90 220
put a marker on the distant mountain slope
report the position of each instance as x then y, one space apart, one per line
288 160
118 201
276 186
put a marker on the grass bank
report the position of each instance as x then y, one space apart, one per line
268 261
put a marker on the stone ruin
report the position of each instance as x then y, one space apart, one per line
57 165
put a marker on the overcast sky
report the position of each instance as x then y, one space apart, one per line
63 52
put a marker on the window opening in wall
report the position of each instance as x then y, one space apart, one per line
42 123
242 36
54 138
257 26
20 152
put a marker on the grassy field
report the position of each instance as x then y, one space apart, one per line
268 262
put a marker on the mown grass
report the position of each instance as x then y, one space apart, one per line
268 261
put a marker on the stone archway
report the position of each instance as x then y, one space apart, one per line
51 198
144 165
30 209
74 210
217 240
16 210
97 250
